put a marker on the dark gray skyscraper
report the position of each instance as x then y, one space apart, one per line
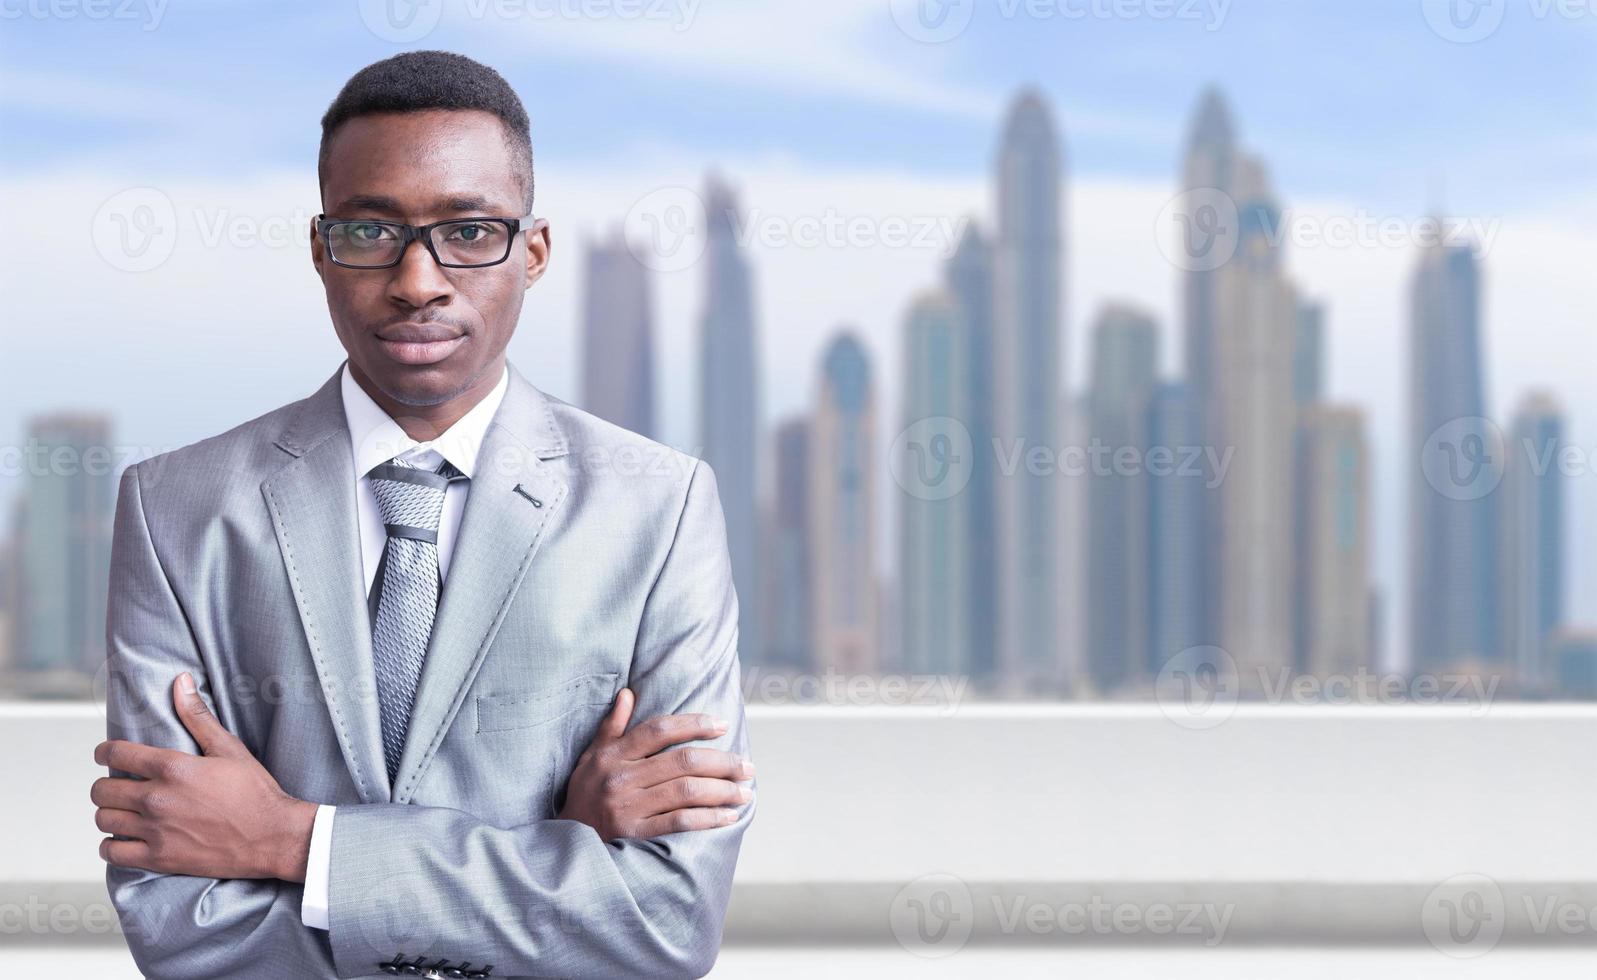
1454 468
1175 527
1027 362
63 559
1307 387
729 408
969 277
1125 364
1531 567
934 573
787 604
844 592
618 337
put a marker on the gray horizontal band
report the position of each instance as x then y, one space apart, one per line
409 474
414 533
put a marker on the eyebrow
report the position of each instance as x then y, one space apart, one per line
456 203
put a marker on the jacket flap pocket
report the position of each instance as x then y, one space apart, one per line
529 709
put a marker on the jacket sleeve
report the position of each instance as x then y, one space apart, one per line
550 898
179 926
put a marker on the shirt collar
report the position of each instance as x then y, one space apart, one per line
377 438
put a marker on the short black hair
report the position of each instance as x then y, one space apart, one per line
420 80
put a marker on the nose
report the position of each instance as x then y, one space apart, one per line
418 281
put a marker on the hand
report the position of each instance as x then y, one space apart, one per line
220 815
623 788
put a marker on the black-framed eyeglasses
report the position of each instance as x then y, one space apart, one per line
458 243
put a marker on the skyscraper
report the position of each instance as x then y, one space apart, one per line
844 592
969 279
1451 522
1027 293
729 407
934 568
1175 528
1125 364
1210 163
1336 605
1531 577
1254 419
618 337
1208 169
63 545
1307 385
788 603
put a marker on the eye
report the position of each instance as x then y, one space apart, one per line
368 233
473 233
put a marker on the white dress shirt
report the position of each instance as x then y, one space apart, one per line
376 438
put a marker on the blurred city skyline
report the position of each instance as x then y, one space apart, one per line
1113 199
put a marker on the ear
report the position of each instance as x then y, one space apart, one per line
538 245
318 251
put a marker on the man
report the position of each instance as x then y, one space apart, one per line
425 605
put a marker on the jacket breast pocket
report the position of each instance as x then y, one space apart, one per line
513 711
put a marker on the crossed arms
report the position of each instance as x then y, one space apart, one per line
632 877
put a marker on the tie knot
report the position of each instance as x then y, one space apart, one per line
411 498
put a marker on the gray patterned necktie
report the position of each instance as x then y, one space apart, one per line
405 597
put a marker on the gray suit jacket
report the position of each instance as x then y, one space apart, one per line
588 558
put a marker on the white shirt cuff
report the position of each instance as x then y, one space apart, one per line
313 907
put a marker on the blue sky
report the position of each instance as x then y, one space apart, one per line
1348 97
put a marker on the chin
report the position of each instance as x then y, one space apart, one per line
422 386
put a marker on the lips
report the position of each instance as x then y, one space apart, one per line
419 343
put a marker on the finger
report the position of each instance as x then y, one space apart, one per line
196 715
119 793
126 853
680 821
693 760
615 723
140 760
686 792
123 823
668 730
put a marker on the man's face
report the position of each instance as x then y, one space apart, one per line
420 333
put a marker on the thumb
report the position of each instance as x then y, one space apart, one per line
615 723
197 718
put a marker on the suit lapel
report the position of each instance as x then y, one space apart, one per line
514 496
312 503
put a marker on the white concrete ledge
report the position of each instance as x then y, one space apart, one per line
1316 825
